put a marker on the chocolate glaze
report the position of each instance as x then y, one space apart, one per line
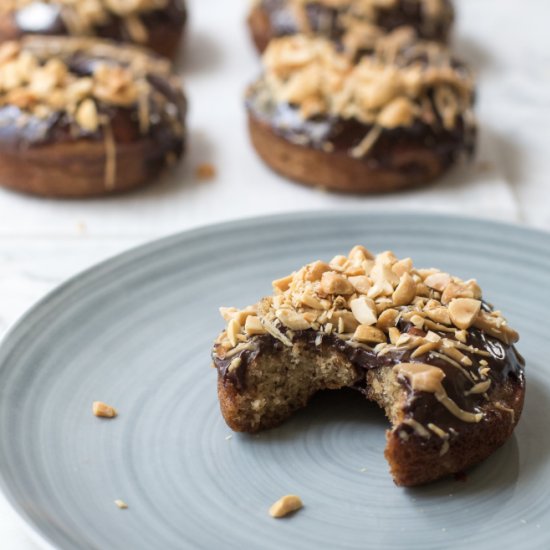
505 362
344 134
42 18
327 21
21 130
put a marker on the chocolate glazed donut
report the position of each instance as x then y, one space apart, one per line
156 24
420 343
81 117
268 19
401 117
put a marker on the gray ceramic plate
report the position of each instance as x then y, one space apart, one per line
136 332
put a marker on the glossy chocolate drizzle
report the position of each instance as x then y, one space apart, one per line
46 19
504 362
343 135
20 129
327 21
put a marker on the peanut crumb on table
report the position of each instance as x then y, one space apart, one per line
205 172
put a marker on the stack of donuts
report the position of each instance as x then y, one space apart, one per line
360 96
89 103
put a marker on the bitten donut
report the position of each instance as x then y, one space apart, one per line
81 117
400 117
156 24
421 343
344 20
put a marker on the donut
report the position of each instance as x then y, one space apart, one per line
338 20
422 344
156 24
399 117
81 117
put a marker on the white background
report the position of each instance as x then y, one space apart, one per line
506 41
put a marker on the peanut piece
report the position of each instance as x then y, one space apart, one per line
333 283
402 266
233 328
282 284
469 289
439 315
86 116
361 283
103 410
292 319
438 281
360 254
463 312
285 505
366 333
338 262
387 319
346 321
364 310
405 292
400 112
394 335
382 273
205 171
315 271
309 299
253 326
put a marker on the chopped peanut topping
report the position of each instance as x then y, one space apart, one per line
36 75
393 87
386 305
369 304
83 17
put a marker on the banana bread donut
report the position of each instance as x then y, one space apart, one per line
338 19
419 342
400 117
156 24
81 117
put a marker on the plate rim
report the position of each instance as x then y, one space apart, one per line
17 329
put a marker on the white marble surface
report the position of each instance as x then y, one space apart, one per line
507 41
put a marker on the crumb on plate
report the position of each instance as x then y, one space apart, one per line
103 410
285 505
